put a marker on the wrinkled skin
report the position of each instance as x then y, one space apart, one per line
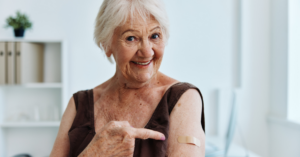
117 138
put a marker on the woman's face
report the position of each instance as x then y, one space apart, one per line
138 48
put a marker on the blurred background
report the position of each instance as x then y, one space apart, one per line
247 46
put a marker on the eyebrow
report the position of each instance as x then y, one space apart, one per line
157 27
131 30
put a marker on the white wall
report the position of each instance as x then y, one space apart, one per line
254 93
279 58
201 50
284 134
293 60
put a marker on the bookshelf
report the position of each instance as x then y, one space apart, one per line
30 113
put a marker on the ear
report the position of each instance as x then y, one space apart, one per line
108 52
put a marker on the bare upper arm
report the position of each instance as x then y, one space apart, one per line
61 146
185 120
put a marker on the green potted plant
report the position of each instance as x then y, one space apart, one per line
19 23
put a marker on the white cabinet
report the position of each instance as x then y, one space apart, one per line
30 113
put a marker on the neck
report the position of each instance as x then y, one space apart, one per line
126 89
120 82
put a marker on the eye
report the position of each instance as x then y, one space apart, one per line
130 38
155 36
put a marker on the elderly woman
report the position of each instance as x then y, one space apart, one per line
140 111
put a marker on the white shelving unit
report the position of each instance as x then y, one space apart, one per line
30 113
29 124
35 85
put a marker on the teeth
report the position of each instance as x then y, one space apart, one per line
142 63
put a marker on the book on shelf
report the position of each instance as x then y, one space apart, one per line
10 63
21 62
3 63
29 62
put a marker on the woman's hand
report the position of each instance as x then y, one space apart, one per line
117 138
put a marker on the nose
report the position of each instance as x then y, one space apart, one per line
145 49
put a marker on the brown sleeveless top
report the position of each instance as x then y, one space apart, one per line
83 130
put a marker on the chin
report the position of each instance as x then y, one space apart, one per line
143 78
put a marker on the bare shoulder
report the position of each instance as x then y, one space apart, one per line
70 112
191 97
189 105
61 146
165 80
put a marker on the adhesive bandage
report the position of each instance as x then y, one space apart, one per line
189 140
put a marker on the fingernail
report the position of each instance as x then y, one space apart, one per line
163 138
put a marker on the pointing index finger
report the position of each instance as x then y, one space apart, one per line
147 133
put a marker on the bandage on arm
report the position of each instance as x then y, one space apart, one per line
189 140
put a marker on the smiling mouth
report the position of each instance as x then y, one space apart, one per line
140 63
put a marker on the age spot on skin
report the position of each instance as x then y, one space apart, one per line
179 104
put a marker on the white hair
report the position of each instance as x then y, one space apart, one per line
114 13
